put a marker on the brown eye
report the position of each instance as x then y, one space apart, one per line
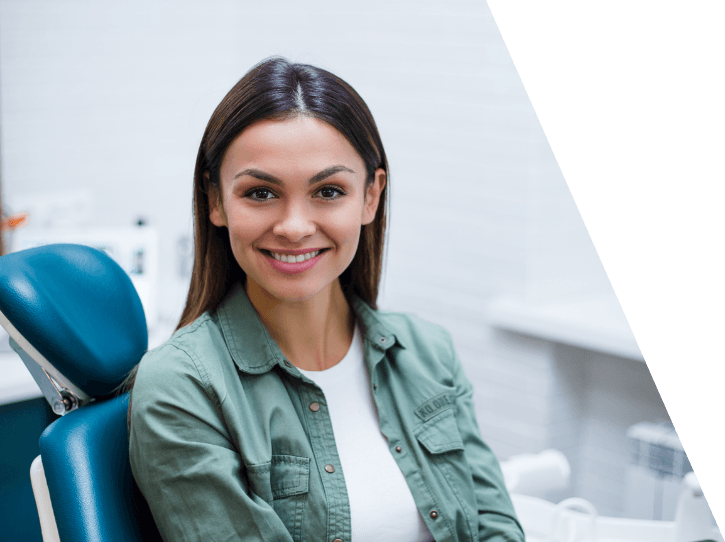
260 194
330 193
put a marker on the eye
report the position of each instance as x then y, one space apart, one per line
260 194
329 193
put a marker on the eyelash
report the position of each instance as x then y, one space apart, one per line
250 194
340 192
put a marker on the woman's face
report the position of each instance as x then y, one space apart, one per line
293 198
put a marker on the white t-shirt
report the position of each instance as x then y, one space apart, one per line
381 505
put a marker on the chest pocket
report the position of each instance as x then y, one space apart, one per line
283 483
441 438
284 476
440 434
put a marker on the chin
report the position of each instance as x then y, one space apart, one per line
294 293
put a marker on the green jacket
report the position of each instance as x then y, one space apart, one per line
225 447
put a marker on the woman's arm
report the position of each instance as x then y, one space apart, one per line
497 520
184 462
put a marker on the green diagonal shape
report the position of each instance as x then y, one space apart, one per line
630 96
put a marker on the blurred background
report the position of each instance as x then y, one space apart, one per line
102 107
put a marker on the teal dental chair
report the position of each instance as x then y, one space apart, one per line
76 321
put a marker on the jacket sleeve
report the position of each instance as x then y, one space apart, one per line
497 521
184 460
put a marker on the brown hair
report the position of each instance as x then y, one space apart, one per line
278 89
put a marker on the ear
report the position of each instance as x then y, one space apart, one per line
216 208
372 196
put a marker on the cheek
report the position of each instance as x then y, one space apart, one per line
245 226
345 225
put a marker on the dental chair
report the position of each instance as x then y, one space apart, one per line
76 321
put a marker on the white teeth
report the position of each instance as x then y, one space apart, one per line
294 259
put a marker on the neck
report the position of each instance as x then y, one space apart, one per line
314 334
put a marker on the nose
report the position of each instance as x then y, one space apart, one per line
295 223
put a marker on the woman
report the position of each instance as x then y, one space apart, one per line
286 407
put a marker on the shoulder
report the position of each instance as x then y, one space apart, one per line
427 349
189 361
415 333
411 327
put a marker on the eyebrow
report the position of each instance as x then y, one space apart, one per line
318 177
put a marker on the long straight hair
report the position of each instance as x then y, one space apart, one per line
277 89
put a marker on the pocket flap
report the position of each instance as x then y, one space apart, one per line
284 476
290 475
440 434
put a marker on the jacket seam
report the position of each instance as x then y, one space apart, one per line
203 374
467 512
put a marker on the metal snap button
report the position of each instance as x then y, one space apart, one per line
433 514
287 363
314 407
398 449
329 468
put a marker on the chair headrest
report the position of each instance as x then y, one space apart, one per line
79 309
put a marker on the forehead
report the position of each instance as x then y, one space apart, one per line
299 145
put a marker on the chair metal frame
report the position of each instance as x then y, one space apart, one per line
48 526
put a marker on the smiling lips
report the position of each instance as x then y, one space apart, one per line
297 262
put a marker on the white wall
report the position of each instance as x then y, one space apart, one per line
113 97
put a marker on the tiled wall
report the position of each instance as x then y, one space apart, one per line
113 99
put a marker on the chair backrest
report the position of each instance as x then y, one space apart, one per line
74 312
94 495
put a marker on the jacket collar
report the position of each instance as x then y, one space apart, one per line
254 351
